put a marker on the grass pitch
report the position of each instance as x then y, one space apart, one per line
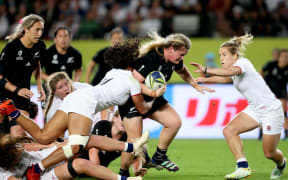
209 160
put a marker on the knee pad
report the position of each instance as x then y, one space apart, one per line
79 140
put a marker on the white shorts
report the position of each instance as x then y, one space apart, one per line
76 103
49 175
271 122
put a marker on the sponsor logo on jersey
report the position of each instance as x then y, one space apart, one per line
37 54
19 57
132 110
28 64
70 60
55 60
63 68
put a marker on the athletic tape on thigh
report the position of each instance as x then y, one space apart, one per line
78 140
71 169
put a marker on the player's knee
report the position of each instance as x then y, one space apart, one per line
76 144
179 124
79 166
227 131
175 124
43 139
76 166
269 154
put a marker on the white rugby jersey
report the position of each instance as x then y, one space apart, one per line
114 89
253 87
57 101
28 158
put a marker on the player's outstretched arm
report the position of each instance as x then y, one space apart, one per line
214 79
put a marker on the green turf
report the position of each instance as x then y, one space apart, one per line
258 52
209 160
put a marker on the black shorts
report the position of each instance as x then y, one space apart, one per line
129 110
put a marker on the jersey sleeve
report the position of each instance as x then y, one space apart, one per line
135 88
242 64
78 62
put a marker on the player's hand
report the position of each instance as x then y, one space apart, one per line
25 93
201 79
161 91
202 89
200 69
42 96
140 172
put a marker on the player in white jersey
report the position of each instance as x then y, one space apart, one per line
78 108
18 159
263 108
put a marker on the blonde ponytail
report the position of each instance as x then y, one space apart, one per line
237 45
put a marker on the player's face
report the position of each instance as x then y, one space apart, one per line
118 123
62 89
116 38
175 56
283 58
34 33
62 39
226 58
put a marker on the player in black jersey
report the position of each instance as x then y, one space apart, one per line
61 56
116 36
19 58
115 130
165 55
275 74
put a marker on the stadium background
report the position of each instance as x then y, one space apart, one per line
208 23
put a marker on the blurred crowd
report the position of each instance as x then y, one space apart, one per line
94 18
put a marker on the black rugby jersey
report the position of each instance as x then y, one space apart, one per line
103 68
56 62
276 78
155 62
103 128
18 62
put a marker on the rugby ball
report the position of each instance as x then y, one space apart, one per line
155 80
